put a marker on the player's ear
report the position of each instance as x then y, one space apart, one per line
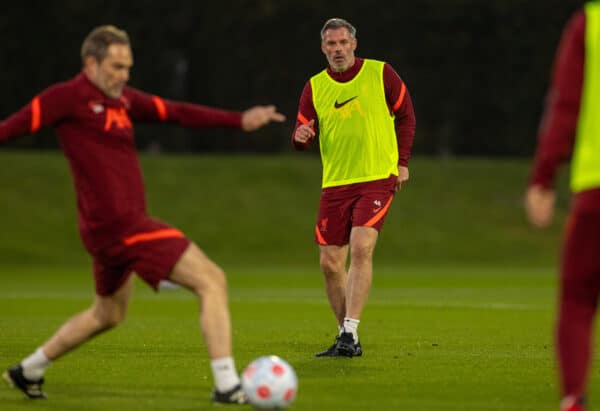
90 63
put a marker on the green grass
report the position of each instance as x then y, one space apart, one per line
460 316
249 209
453 338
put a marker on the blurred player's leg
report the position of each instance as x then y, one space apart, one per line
198 273
105 313
574 349
580 286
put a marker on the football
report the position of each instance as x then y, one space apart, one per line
270 383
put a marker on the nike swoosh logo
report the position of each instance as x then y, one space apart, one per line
343 103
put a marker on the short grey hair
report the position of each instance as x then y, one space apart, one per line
338 23
96 43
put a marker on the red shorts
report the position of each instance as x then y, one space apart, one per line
150 249
353 205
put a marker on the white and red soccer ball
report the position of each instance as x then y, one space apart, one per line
270 383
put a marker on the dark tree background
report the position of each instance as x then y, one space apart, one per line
477 70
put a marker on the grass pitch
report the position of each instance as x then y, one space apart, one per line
460 316
453 338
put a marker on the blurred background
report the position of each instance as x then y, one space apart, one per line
477 70
462 304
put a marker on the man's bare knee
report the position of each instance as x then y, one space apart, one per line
362 244
333 260
108 317
331 265
212 280
199 273
362 253
328 266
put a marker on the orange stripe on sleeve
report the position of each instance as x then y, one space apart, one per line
400 98
320 238
153 235
36 114
302 119
380 214
161 108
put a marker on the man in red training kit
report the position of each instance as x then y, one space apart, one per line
364 118
571 128
93 114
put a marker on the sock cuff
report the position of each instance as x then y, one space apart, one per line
42 354
224 373
37 359
223 362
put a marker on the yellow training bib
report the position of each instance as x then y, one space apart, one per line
356 129
585 167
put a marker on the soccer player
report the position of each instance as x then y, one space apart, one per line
93 115
571 128
362 112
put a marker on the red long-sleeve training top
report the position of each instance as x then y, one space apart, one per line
556 136
97 137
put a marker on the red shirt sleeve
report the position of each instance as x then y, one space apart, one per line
306 112
149 108
556 134
400 103
46 109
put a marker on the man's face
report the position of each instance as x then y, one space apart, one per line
112 73
338 46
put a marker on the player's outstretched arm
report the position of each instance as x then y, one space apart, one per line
259 116
18 124
45 109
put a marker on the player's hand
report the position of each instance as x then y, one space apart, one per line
305 132
259 116
402 177
539 205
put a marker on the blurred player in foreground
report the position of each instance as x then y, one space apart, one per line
364 116
93 115
571 128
